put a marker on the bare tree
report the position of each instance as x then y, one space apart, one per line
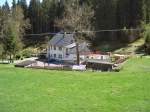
77 18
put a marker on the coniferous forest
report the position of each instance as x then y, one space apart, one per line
118 21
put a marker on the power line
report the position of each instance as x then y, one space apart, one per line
114 30
90 31
41 34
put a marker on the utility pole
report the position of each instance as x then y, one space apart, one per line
76 40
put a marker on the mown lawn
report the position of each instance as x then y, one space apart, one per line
27 90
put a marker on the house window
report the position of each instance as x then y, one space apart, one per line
54 47
60 48
67 52
102 57
54 55
60 56
71 41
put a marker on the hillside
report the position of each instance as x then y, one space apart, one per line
132 48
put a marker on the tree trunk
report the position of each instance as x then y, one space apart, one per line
77 53
10 58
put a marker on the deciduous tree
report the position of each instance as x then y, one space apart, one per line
77 18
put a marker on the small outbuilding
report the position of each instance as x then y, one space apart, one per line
25 64
99 65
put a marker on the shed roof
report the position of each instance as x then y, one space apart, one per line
105 62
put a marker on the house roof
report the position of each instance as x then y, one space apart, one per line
67 41
71 45
83 48
62 39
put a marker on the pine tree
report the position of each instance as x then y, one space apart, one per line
24 7
146 11
35 15
146 35
13 29
6 8
105 19
14 4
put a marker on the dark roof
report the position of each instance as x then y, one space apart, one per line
105 62
83 48
61 39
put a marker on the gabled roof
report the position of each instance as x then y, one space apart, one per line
83 48
61 39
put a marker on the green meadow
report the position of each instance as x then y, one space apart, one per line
33 90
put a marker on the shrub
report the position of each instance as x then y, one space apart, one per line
18 56
27 53
146 35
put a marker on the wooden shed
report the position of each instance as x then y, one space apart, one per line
100 65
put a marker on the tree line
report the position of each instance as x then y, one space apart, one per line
72 15
108 14
12 28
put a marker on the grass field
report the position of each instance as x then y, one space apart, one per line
27 90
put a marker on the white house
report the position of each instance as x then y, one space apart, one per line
62 47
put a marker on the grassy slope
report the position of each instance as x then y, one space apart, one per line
26 90
132 47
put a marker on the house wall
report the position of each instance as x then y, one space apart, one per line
70 57
56 52
98 56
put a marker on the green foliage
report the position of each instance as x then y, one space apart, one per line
23 5
26 53
117 14
77 17
146 34
108 14
146 11
35 15
13 27
1 49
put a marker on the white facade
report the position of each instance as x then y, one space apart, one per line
55 52
63 53
63 47
59 53
98 56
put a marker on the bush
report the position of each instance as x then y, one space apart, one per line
117 69
146 35
18 56
27 53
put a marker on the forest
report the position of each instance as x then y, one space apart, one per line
117 21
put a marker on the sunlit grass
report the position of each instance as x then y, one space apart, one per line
28 90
